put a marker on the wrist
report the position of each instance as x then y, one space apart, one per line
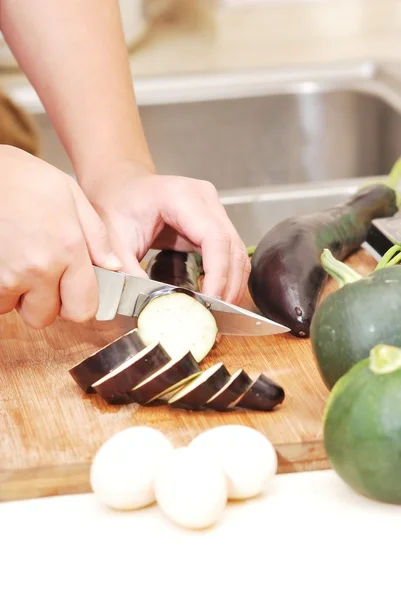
94 182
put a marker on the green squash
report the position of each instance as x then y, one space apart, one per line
362 426
363 312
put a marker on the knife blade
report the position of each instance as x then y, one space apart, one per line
124 294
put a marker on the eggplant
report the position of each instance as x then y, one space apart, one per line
287 277
116 385
105 360
181 269
231 392
176 318
195 394
264 394
166 380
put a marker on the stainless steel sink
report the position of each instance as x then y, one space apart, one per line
253 129
254 212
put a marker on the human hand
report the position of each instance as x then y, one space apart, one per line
50 236
143 211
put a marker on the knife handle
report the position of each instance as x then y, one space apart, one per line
110 285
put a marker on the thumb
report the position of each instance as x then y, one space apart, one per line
95 233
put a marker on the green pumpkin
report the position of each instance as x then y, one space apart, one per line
362 313
362 425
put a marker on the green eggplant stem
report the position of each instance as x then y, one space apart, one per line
199 262
392 181
251 250
391 257
341 272
384 359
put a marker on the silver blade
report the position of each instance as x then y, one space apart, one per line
123 294
234 320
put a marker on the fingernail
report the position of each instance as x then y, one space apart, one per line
113 263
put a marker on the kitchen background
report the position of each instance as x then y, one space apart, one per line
215 80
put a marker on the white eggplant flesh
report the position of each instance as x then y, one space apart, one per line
115 387
167 379
196 393
234 389
180 323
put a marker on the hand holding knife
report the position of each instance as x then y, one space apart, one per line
124 294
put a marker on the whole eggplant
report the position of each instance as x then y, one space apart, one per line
287 276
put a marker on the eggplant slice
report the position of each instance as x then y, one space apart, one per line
236 387
167 379
264 394
195 394
116 386
180 323
105 360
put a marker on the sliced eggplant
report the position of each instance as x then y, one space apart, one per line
195 394
174 374
116 386
103 361
264 394
180 323
235 387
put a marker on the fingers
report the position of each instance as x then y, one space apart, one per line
40 306
8 301
95 233
10 290
206 233
78 289
239 268
216 263
121 242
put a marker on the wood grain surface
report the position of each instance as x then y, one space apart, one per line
50 430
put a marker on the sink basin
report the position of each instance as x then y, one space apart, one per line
255 129
254 212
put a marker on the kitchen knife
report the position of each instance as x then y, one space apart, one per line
124 294
383 234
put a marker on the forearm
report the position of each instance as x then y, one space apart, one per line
74 54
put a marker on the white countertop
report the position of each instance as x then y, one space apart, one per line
310 536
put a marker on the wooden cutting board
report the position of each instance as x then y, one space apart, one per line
50 430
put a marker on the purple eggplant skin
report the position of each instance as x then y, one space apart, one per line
180 269
287 277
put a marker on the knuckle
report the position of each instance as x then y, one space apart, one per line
240 255
85 315
37 268
175 187
71 183
9 283
219 235
80 314
247 266
39 322
71 242
210 189
100 231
